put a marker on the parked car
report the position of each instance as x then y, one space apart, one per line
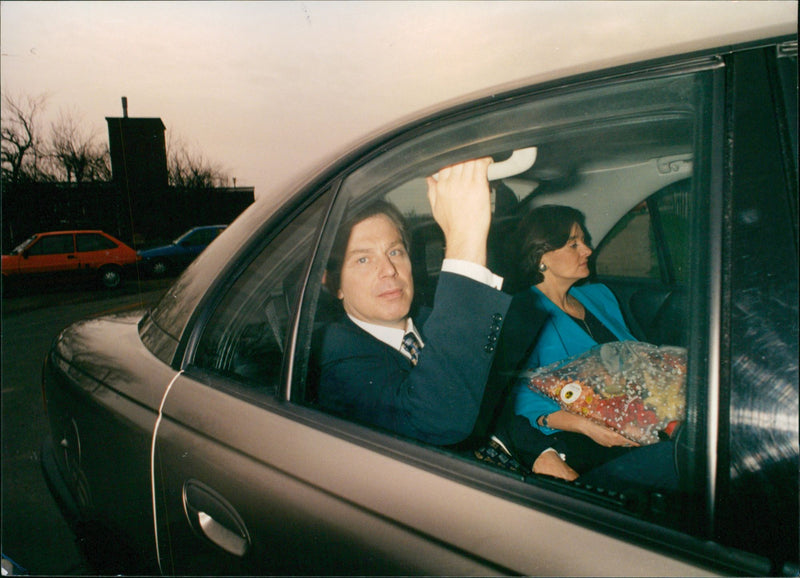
70 254
190 434
168 259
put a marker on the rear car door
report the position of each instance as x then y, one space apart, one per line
251 476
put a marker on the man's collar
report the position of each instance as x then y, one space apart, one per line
391 336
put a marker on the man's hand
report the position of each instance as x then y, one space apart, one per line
549 463
461 204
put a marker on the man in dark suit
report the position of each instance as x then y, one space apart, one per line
431 390
434 389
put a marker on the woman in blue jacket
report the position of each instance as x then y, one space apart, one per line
555 257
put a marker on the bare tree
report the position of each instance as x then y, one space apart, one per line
19 138
191 170
75 153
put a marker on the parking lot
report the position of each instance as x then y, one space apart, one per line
34 534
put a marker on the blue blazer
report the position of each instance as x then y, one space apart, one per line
562 337
438 400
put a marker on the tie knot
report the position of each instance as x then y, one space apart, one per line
412 346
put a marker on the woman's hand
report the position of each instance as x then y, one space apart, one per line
549 463
601 434
604 436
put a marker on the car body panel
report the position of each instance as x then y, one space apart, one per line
85 395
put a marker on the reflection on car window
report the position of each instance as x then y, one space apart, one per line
246 335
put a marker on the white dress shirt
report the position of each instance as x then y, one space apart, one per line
394 337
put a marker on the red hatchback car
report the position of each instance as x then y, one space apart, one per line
70 253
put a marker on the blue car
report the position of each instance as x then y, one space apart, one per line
161 261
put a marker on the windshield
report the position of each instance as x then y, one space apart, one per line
24 245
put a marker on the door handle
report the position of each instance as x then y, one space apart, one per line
215 519
223 537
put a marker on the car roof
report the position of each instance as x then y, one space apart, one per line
72 231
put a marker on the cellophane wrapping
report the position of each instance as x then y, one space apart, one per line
635 388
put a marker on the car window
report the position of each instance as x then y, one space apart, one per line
53 244
201 237
245 337
22 246
651 241
94 242
623 153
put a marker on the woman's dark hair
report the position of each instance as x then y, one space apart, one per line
336 260
544 229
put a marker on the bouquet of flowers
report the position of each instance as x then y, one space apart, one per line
635 388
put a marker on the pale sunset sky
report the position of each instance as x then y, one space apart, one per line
267 90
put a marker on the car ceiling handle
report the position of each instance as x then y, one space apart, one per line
213 517
519 162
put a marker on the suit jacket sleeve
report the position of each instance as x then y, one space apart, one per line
438 400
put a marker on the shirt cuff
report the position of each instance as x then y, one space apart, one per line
472 271
562 456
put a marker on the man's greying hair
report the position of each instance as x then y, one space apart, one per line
336 260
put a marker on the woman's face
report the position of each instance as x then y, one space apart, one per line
571 262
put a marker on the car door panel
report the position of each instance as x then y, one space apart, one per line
51 253
304 512
282 491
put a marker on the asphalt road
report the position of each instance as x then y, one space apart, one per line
34 534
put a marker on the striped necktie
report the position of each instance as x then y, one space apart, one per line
412 346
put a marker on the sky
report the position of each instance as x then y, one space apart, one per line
271 90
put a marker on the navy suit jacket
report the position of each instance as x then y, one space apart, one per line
438 400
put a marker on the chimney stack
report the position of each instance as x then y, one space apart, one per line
125 107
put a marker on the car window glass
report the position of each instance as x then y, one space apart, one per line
53 244
650 241
204 237
196 238
94 242
22 246
787 71
630 248
246 335
613 151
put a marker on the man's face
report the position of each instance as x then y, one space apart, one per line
376 283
